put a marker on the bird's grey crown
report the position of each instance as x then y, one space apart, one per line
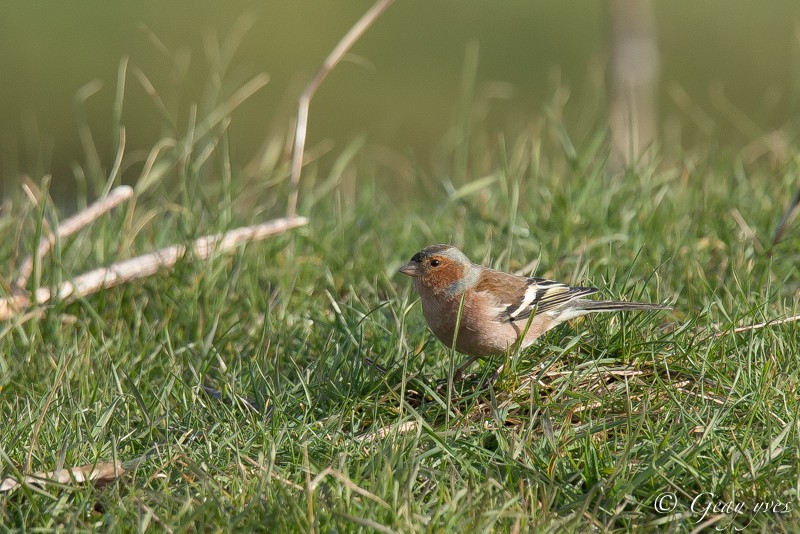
448 251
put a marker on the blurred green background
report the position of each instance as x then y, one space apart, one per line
728 73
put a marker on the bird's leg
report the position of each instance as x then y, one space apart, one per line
491 379
458 374
460 371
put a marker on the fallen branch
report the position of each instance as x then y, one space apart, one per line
71 225
757 326
304 103
147 265
98 474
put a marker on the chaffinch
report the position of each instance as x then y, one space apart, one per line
497 306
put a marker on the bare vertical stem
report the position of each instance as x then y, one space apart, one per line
331 61
635 77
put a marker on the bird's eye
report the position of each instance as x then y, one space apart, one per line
435 263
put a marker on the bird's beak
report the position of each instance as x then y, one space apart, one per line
411 268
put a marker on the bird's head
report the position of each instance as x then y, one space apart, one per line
439 268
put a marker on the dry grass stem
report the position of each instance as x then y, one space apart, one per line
331 61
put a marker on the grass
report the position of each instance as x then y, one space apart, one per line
598 425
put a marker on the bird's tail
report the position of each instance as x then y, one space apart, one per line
579 307
615 305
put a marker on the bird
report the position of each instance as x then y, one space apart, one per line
500 311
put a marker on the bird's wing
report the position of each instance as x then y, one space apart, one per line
518 297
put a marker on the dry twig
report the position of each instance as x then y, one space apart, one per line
114 198
757 326
98 474
147 264
331 61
